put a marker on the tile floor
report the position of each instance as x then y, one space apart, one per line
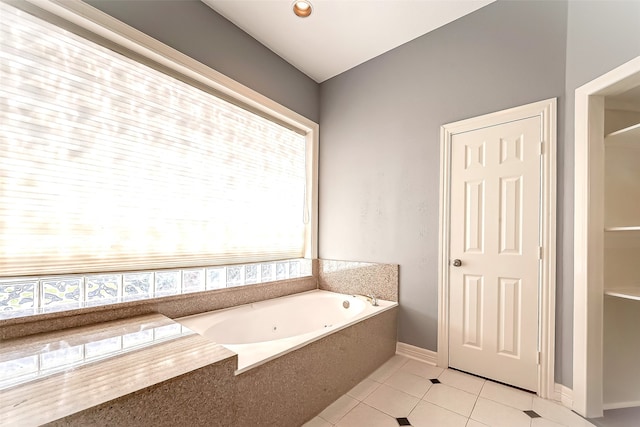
407 392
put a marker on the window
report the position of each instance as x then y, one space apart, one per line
109 165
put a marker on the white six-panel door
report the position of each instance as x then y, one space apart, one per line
495 235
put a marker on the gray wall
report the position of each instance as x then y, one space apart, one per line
601 35
379 158
196 30
379 152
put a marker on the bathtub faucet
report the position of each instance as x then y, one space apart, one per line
371 298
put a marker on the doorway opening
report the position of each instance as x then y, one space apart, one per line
601 233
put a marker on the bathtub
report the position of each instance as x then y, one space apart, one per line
265 330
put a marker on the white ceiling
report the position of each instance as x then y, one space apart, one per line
339 34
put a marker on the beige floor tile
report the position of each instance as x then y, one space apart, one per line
391 401
422 369
451 398
495 414
409 383
390 366
474 423
507 395
375 404
463 381
559 414
366 416
318 422
543 422
363 389
429 415
338 409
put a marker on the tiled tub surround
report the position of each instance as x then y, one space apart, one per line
336 276
351 277
191 381
265 330
286 391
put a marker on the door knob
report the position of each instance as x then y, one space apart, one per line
457 263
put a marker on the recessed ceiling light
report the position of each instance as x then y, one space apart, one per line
302 8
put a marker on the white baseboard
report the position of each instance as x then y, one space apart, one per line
619 405
418 353
564 395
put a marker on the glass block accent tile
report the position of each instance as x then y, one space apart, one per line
305 267
167 283
137 286
294 269
193 280
62 292
216 278
234 276
18 295
282 270
268 272
103 289
251 274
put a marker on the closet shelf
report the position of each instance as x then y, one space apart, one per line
628 293
628 135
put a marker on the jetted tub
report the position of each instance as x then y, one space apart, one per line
264 330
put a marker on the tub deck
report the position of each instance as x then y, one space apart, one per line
185 379
77 371
279 326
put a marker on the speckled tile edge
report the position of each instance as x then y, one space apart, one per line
274 394
204 397
30 345
51 398
350 277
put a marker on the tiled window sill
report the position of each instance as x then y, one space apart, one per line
34 296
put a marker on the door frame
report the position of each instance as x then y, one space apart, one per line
588 246
545 109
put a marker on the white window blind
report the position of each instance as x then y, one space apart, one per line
108 164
